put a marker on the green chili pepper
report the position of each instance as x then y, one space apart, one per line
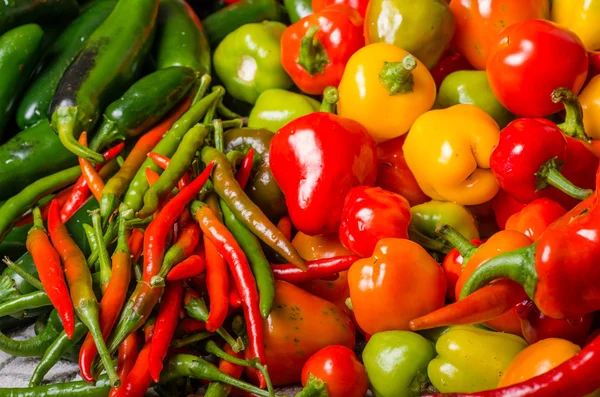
17 205
245 210
298 9
472 87
69 389
180 163
55 352
142 105
196 309
34 104
35 346
19 12
20 49
275 108
219 24
167 147
106 65
248 61
181 39
427 217
258 262
104 259
33 300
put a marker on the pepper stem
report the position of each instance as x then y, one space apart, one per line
37 284
517 265
197 337
549 175
203 85
458 241
107 134
104 259
397 77
66 122
122 245
426 241
331 96
573 124
38 223
313 56
196 309
218 127
315 387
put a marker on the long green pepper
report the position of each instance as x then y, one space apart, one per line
35 346
69 389
29 301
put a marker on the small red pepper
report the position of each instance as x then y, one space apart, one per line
89 172
136 243
190 267
315 50
504 206
243 174
285 225
535 217
139 379
315 270
128 353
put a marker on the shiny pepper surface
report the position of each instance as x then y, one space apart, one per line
316 160
275 108
247 61
449 151
581 17
398 283
590 102
430 216
385 88
535 218
471 359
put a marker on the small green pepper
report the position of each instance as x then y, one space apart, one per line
248 60
472 359
428 216
472 87
275 108
396 362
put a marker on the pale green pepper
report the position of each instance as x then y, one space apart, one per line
472 359
427 217
275 108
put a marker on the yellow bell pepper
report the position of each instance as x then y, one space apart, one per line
448 151
385 88
590 103
580 16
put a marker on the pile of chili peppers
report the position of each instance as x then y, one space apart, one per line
392 195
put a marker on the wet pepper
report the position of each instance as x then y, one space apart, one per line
315 158
315 50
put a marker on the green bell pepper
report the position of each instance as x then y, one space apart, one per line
396 363
275 108
472 359
428 216
424 28
248 62
472 87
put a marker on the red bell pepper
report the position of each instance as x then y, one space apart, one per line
370 214
315 50
316 159
504 206
530 60
535 217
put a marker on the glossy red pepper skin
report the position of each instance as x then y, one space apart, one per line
580 165
358 5
530 60
393 173
535 218
453 266
316 159
370 214
339 35
450 63
504 206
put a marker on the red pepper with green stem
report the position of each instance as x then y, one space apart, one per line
79 280
315 270
139 380
191 267
47 263
111 303
216 389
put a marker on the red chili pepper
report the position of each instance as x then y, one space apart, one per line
318 157
234 296
136 243
504 206
242 274
151 176
312 51
533 171
231 369
166 322
318 269
285 225
191 325
523 68
243 174
139 380
452 62
128 353
163 162
47 263
61 197
535 217
190 267
453 266
89 172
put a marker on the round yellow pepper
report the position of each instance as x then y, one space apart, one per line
385 88
590 103
580 16
448 151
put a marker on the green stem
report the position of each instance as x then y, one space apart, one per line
573 124
549 175
188 340
29 301
427 242
205 81
197 310
331 96
313 56
210 113
315 387
458 241
38 223
211 347
105 262
218 127
397 77
226 112
25 275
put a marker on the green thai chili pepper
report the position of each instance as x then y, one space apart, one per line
167 147
180 162
35 346
181 38
107 63
55 352
25 302
91 237
258 262
19 12
17 205
196 309
298 9
143 105
36 100
105 261
69 389
245 210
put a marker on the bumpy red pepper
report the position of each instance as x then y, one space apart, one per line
370 214
316 159
315 50
535 217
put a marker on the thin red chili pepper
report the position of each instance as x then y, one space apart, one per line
139 380
151 176
128 353
136 243
191 325
61 197
190 267
285 225
89 172
111 303
242 274
184 247
234 296
243 174
217 285
168 314
317 269
163 162
47 263
228 368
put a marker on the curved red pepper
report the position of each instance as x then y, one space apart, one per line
315 50
535 217
316 160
